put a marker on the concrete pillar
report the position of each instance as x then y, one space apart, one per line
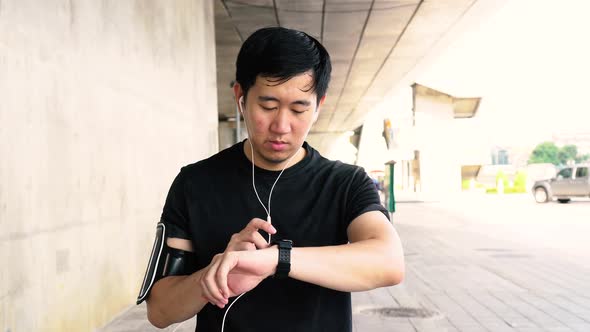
335 146
101 103
440 169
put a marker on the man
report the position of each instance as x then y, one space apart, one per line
332 234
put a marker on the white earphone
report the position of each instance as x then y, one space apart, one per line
241 104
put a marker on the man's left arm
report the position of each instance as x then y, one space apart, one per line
373 258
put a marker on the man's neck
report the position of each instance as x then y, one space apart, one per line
270 166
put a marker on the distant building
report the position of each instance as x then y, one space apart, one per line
500 156
517 156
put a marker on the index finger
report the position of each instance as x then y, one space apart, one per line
257 223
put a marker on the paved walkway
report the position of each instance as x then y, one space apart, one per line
462 276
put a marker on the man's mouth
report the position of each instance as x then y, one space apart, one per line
278 145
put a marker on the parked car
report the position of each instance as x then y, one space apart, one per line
572 181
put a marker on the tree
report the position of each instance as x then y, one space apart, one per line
567 153
546 152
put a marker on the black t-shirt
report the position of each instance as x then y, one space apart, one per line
312 204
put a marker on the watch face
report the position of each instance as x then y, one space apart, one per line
287 244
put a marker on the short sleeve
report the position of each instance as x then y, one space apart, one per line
175 212
363 196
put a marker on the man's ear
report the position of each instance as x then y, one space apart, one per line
238 92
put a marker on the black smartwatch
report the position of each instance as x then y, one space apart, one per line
284 264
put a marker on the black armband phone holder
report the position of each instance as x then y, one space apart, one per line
165 261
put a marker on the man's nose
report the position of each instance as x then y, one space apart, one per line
281 123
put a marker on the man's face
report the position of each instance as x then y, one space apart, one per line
278 117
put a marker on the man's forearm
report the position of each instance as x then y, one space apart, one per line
175 299
358 266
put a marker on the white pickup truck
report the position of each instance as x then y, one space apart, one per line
572 181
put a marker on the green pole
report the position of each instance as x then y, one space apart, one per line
390 188
391 191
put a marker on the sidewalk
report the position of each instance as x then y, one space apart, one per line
460 278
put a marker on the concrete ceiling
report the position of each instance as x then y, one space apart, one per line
373 44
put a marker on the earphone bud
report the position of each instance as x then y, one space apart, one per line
241 104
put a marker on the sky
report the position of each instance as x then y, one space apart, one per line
530 62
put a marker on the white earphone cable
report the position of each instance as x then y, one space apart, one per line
268 218
273 185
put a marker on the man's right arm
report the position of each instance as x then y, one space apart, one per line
175 299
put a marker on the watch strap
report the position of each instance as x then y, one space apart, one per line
284 262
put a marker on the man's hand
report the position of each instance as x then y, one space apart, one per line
249 238
241 267
235 272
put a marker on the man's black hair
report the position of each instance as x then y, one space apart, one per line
280 54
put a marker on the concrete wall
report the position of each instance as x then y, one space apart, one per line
101 103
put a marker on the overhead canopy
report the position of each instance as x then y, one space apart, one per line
373 45
462 107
